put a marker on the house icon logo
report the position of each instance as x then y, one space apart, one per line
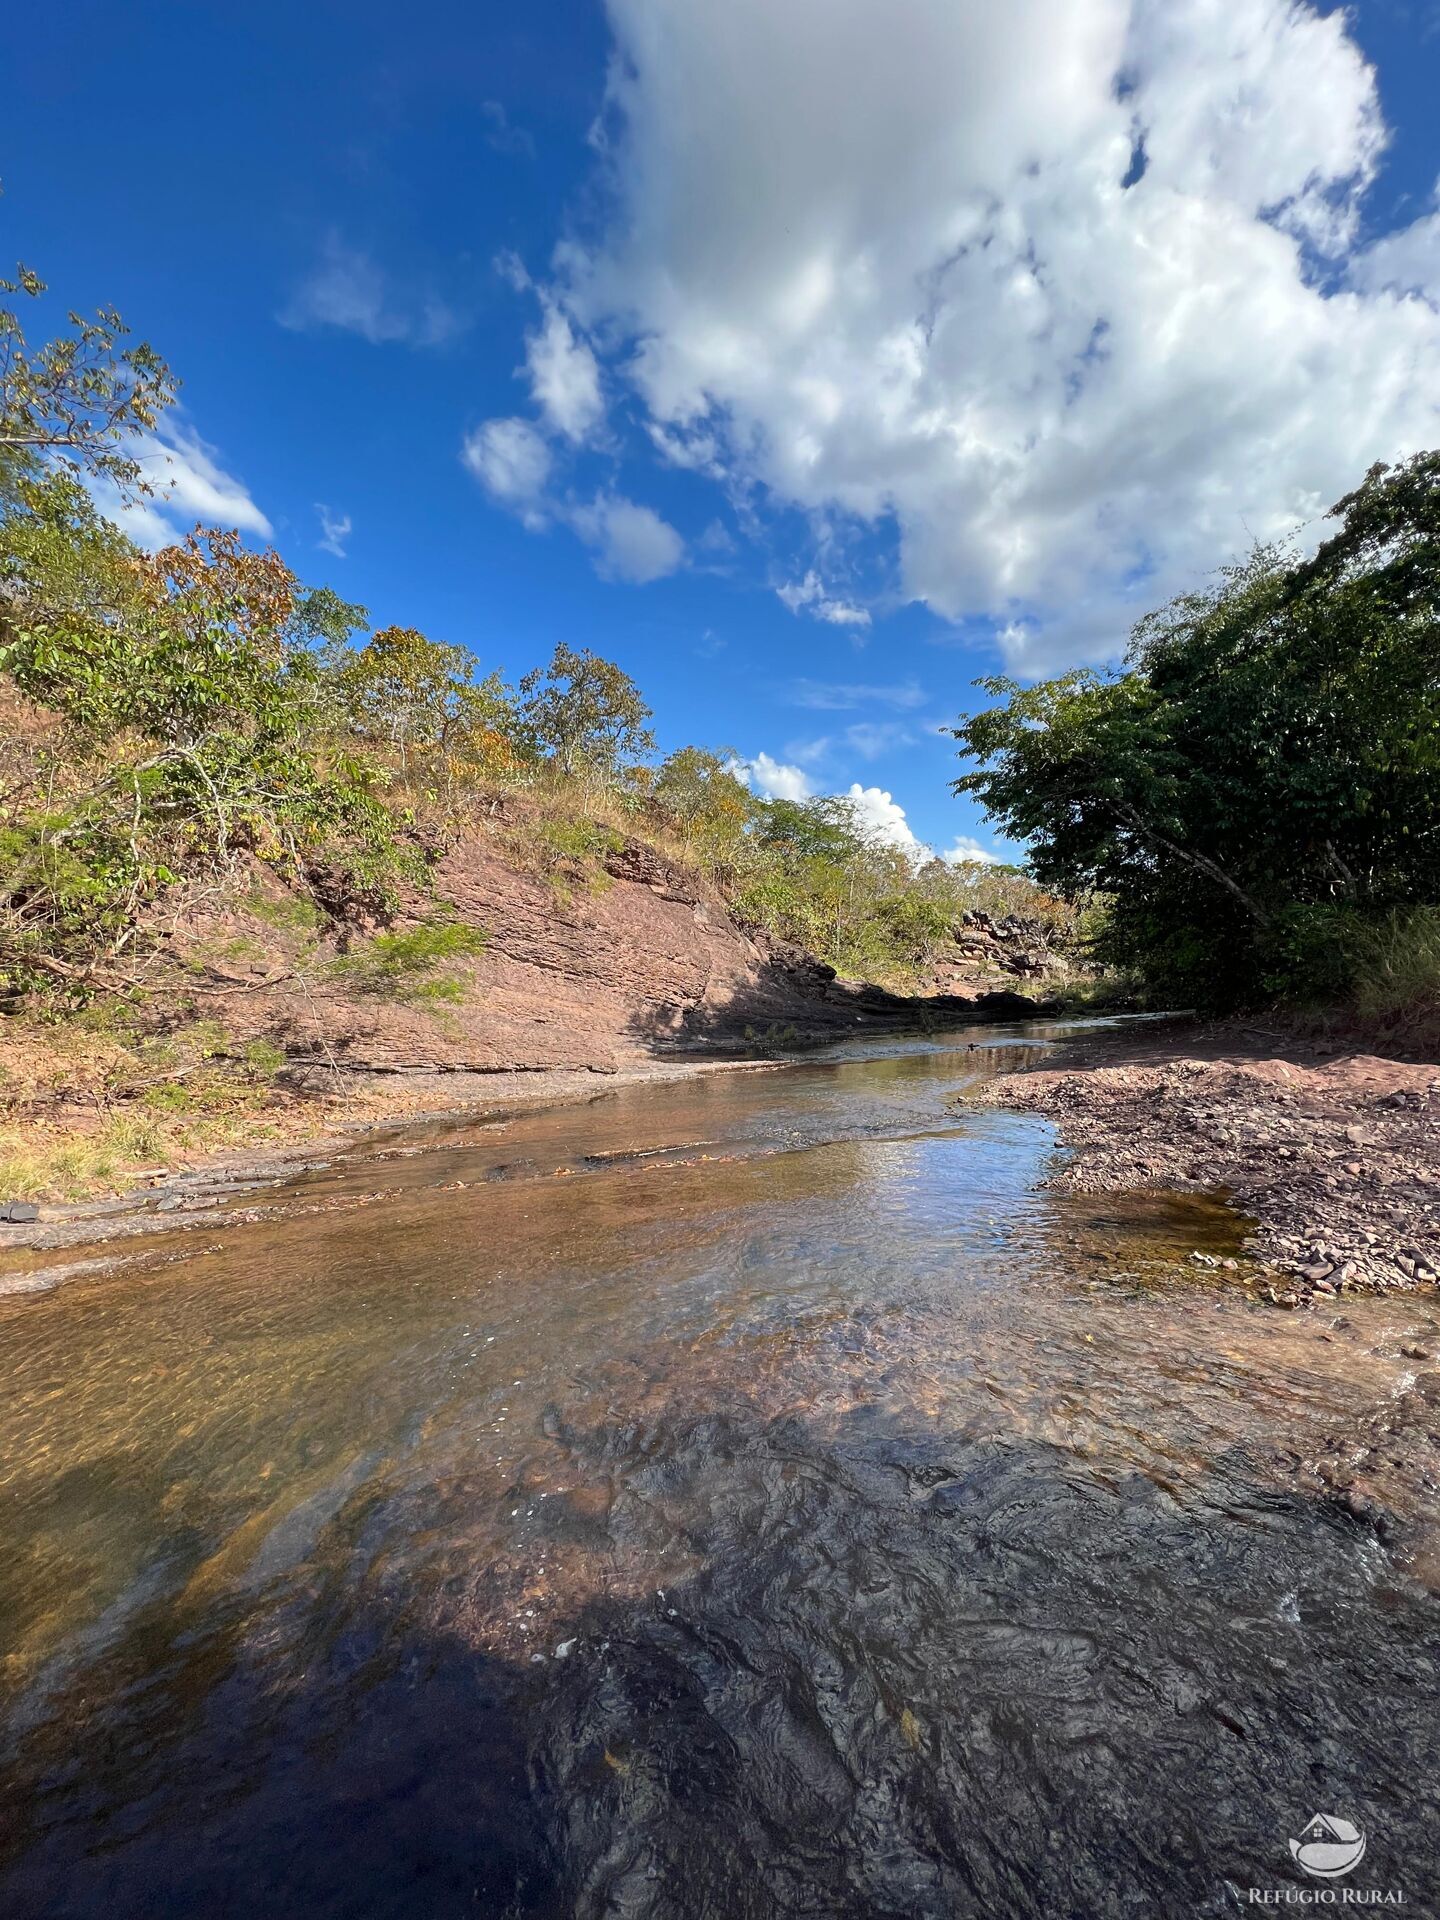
1329 1847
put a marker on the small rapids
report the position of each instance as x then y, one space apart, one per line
743 1497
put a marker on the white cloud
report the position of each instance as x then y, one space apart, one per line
1407 262
774 779
810 595
936 307
563 376
883 818
970 852
501 134
871 738
190 488
511 461
335 530
512 270
348 291
631 542
833 696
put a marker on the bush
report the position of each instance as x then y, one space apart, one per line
405 966
1395 963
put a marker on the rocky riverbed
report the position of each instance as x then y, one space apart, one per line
1335 1157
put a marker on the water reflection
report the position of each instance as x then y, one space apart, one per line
806 1517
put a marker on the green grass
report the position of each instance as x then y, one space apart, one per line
1397 974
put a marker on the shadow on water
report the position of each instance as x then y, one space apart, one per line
795 1003
762 1502
902 1678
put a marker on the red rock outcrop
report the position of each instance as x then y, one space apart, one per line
643 960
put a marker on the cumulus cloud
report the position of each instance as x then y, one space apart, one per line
882 817
774 779
334 531
564 377
631 542
190 488
1407 262
511 460
968 852
1067 295
809 595
349 292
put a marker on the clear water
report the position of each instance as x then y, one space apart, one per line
742 1497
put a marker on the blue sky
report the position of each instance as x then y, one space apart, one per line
811 359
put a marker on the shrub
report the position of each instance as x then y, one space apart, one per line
405 966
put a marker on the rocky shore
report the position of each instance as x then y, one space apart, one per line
1335 1156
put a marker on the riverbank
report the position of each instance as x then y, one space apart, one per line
1334 1155
369 1121
257 1026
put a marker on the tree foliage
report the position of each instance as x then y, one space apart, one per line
166 715
181 694
586 714
1262 779
81 399
419 701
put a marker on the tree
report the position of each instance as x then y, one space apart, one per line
1263 777
697 790
419 700
183 699
822 829
586 714
80 400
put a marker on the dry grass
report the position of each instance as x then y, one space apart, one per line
85 1102
62 1163
1397 963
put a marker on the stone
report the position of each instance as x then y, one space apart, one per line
18 1210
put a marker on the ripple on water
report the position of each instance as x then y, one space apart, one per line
806 1516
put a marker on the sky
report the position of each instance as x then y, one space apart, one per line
810 358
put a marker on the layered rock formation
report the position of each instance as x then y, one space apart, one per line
642 960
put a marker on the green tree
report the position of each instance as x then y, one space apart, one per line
420 701
586 714
820 829
81 399
1263 777
178 698
698 792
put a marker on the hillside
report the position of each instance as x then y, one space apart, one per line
259 1020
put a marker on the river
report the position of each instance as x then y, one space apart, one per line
746 1496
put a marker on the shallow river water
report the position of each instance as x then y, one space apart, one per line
746 1496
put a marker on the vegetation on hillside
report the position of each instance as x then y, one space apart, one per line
180 715
1257 793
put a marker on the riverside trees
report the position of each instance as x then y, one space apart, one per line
1258 792
167 716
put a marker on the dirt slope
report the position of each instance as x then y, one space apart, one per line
636 959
